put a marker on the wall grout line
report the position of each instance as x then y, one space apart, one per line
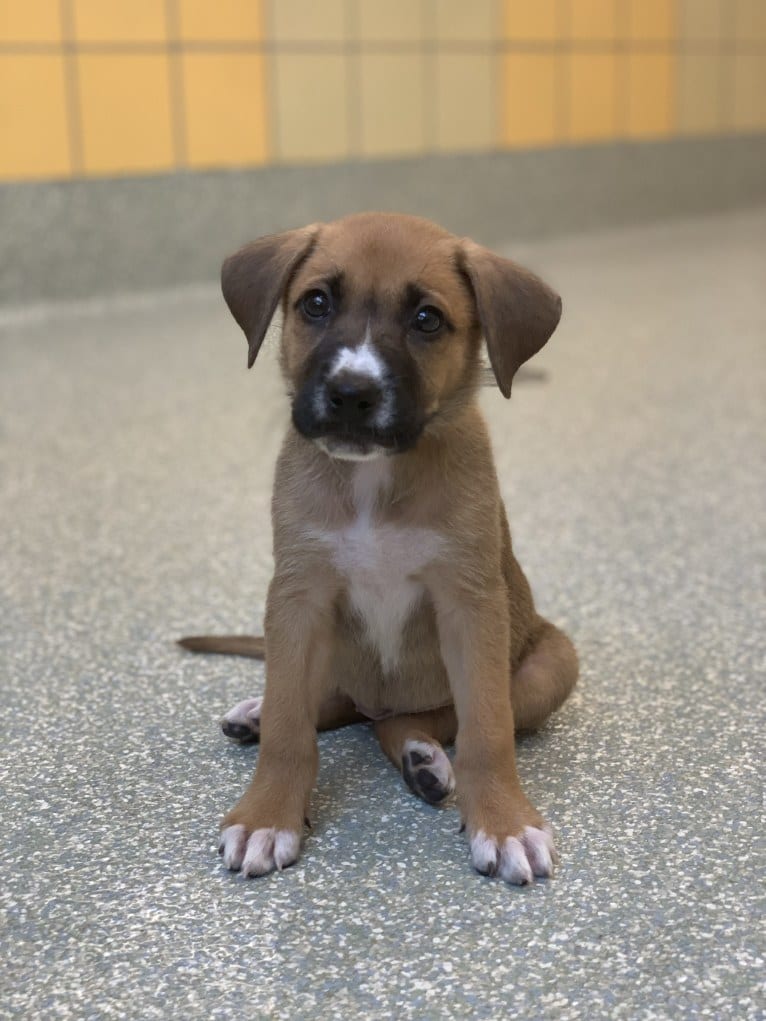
176 85
725 72
353 77
501 104
495 75
681 68
271 111
676 77
541 47
622 90
431 104
72 86
562 73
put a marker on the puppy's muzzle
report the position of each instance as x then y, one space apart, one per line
353 413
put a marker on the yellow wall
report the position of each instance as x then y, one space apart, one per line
103 87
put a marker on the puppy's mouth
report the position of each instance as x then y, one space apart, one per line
352 450
359 445
356 444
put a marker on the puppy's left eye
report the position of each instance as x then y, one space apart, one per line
428 319
316 304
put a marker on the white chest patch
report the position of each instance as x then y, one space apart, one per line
381 563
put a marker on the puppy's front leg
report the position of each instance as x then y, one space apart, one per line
508 835
263 830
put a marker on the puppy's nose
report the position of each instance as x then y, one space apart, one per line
353 399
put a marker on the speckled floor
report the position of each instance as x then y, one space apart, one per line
137 455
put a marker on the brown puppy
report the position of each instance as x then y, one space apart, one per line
396 595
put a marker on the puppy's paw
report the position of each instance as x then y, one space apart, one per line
259 852
242 723
518 859
427 771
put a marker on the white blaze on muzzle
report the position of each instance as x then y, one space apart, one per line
361 361
365 361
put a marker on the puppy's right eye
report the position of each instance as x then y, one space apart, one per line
428 320
316 304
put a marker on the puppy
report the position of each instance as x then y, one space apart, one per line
396 596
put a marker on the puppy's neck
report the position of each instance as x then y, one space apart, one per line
397 487
371 482
390 483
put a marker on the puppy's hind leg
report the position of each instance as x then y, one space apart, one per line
544 679
413 743
242 723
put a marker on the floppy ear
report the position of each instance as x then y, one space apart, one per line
254 279
517 311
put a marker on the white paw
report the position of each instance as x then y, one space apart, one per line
262 851
427 771
242 723
515 859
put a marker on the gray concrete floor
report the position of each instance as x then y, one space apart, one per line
137 456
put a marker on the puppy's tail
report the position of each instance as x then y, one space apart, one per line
226 645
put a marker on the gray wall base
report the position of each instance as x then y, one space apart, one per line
75 239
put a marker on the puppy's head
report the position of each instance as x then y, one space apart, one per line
383 319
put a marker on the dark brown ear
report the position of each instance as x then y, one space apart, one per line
254 279
517 311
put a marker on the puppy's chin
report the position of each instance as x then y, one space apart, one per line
343 450
357 445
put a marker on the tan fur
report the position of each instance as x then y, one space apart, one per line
472 642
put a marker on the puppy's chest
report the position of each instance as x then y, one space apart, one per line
380 563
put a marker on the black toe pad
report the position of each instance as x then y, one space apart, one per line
238 732
421 780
